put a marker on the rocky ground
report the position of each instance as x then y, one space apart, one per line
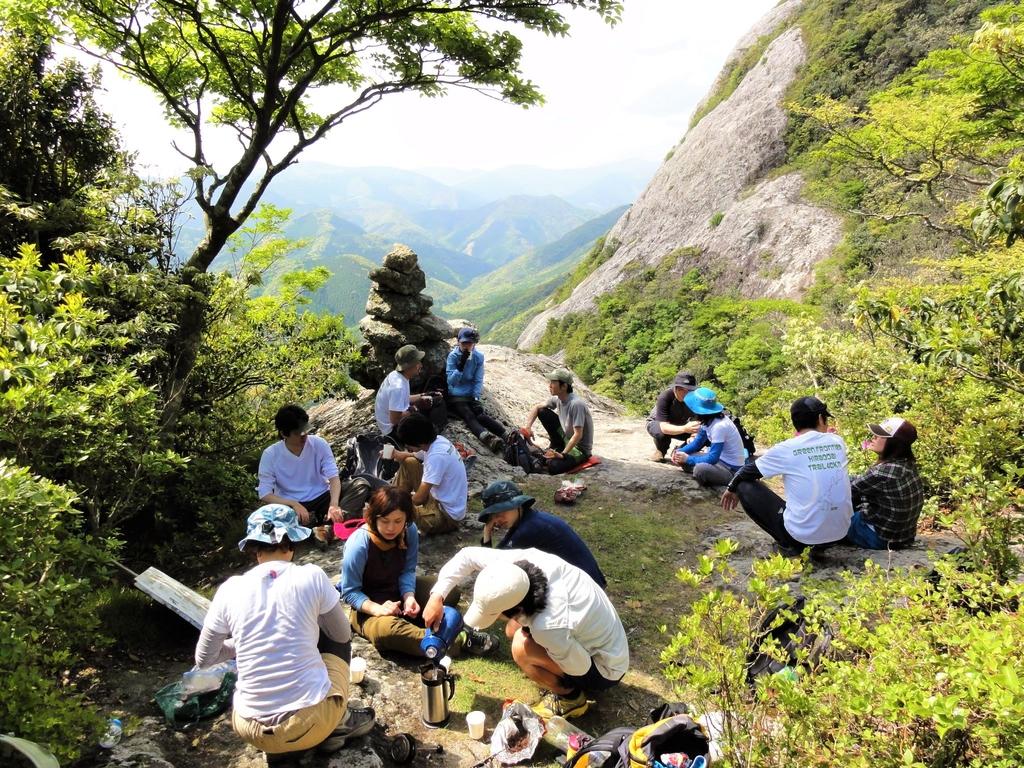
685 518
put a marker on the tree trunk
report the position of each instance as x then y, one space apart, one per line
184 349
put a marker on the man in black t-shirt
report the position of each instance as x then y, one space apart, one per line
670 417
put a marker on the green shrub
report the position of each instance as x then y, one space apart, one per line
47 611
918 674
716 219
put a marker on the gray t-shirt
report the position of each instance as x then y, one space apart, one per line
574 413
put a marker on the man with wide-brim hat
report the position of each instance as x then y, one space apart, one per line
509 509
671 417
567 636
393 400
292 643
567 420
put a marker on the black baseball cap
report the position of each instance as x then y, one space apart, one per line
809 405
685 380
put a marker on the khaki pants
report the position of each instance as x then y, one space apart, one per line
396 633
430 516
307 727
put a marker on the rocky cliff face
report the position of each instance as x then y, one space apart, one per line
714 202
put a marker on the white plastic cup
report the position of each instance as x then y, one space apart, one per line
356 670
475 724
389 450
446 662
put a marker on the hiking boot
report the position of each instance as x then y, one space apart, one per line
564 706
478 643
358 721
657 456
494 442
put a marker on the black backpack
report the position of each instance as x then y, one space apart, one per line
517 451
670 730
792 635
362 457
746 437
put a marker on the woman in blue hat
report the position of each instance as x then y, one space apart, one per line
724 454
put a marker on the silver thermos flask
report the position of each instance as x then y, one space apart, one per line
436 688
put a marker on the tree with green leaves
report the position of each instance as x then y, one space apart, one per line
56 145
282 75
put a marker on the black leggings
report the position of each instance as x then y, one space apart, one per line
556 435
472 413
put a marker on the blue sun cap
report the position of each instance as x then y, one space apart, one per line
271 523
703 402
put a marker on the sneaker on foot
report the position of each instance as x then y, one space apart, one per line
495 443
657 456
358 721
478 643
564 706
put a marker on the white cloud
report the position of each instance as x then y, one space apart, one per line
612 93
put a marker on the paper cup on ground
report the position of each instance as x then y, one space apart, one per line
356 670
389 450
475 724
446 662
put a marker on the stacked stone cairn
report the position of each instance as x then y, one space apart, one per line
398 313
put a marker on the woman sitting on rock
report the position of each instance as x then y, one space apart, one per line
379 583
887 499
725 454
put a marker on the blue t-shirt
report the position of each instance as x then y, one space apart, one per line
548 533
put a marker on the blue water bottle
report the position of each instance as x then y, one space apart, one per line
435 644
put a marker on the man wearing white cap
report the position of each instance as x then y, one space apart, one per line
285 626
566 635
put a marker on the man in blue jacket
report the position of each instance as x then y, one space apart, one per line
505 506
465 373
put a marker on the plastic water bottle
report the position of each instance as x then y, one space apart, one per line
113 734
557 731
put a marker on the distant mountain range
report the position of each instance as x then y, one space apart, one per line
480 235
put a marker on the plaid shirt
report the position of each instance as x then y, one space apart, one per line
890 496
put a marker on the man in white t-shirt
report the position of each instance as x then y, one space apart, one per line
566 635
817 508
393 399
299 471
433 472
292 642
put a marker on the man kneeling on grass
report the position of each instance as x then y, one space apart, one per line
292 641
566 635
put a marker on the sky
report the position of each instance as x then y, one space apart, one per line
613 94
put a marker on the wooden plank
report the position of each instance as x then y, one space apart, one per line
185 602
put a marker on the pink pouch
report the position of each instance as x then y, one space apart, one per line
346 528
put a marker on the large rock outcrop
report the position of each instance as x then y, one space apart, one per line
713 206
398 313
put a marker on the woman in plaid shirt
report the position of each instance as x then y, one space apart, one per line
887 499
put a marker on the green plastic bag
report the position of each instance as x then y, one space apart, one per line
196 706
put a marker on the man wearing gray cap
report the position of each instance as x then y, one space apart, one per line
393 398
567 420
671 417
